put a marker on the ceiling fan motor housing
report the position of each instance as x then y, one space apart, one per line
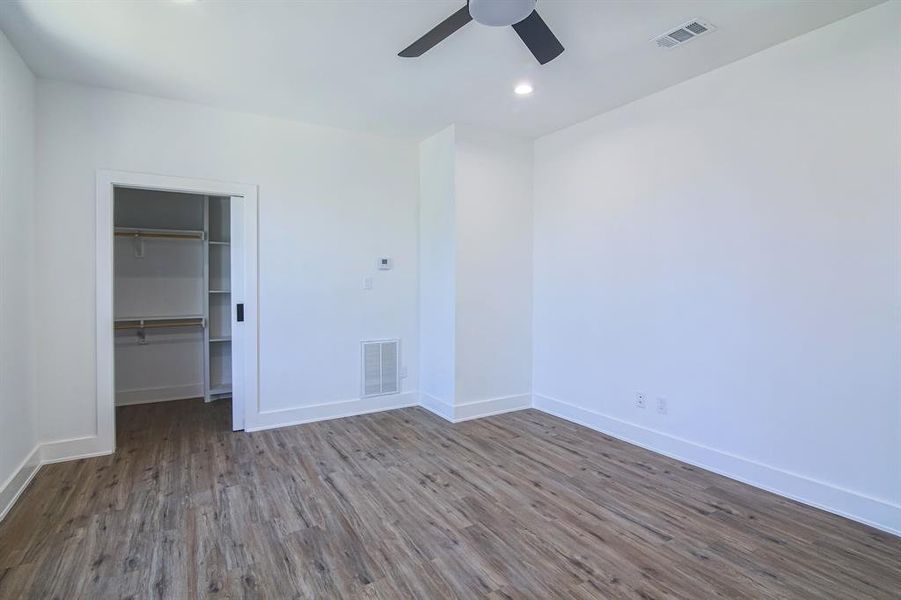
500 13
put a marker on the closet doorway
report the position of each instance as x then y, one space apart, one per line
176 302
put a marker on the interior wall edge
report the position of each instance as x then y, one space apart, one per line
880 514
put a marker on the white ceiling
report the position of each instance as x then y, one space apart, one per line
335 62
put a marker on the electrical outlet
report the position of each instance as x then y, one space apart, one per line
661 405
640 400
367 283
403 372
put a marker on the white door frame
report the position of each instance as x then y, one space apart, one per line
107 181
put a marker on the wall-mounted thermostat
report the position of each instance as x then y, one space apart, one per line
385 264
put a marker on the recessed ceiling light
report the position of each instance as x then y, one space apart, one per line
523 89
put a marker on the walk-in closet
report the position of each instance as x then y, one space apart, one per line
172 296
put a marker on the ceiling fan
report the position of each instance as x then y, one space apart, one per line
521 14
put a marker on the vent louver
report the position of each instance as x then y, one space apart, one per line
683 33
696 28
381 367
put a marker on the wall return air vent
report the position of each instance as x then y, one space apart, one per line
381 359
684 33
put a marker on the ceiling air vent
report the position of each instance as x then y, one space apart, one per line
380 367
684 33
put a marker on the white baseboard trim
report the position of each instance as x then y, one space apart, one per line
846 503
74 449
160 394
333 410
45 454
13 487
441 408
491 406
91 446
475 410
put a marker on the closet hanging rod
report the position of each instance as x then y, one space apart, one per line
179 234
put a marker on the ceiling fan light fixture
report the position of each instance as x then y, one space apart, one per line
500 13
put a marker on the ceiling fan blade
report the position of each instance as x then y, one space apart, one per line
537 36
438 33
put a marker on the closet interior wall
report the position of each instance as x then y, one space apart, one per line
171 296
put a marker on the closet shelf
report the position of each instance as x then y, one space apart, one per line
147 232
160 322
220 339
218 243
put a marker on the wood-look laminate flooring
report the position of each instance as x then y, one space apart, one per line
401 504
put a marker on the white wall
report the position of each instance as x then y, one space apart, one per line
493 182
331 202
437 268
475 272
17 426
731 244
